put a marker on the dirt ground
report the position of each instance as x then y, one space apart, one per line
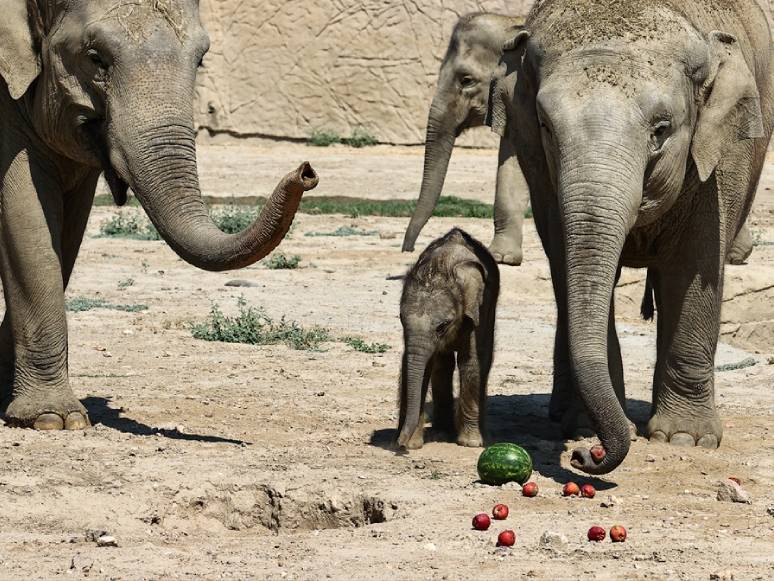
211 460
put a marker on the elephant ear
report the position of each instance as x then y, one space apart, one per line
471 277
19 58
502 86
729 105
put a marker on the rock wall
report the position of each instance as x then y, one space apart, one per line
284 68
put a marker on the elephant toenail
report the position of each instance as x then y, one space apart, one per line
76 421
48 422
658 436
682 439
709 441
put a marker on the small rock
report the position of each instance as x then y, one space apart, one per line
650 458
552 540
92 535
610 502
81 564
511 486
242 283
722 576
107 541
730 491
430 547
770 510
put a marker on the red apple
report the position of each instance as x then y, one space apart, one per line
530 489
598 453
596 534
570 489
500 511
481 521
618 534
587 491
506 539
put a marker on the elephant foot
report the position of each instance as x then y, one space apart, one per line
59 413
470 438
686 432
506 250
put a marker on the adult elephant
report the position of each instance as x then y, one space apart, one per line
642 129
90 86
461 101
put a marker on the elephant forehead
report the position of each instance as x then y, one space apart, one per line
562 26
138 18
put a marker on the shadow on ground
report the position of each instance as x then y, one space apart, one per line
100 412
524 419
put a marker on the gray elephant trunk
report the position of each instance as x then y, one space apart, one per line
413 384
439 143
158 160
596 221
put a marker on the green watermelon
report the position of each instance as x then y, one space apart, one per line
504 462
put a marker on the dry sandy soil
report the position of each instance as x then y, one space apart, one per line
211 460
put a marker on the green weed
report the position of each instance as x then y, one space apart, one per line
233 219
278 261
360 138
345 231
81 304
253 326
744 364
360 345
128 225
125 283
323 138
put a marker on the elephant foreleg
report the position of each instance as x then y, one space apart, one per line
511 199
689 296
442 385
471 408
31 269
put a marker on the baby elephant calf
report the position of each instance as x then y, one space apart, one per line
447 309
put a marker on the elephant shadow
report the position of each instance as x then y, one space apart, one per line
100 412
523 418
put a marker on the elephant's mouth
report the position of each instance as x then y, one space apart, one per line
94 137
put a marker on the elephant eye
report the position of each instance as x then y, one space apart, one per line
661 132
98 62
443 327
467 82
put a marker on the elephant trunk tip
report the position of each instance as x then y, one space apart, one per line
307 176
597 460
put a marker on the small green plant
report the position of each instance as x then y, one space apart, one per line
744 364
278 261
360 138
323 138
125 283
81 304
253 326
435 475
233 219
360 345
128 225
345 231
145 265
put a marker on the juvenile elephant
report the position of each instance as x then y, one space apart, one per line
461 101
642 128
91 86
448 307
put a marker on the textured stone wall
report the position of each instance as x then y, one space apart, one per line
283 68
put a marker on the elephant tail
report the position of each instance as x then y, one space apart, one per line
648 307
